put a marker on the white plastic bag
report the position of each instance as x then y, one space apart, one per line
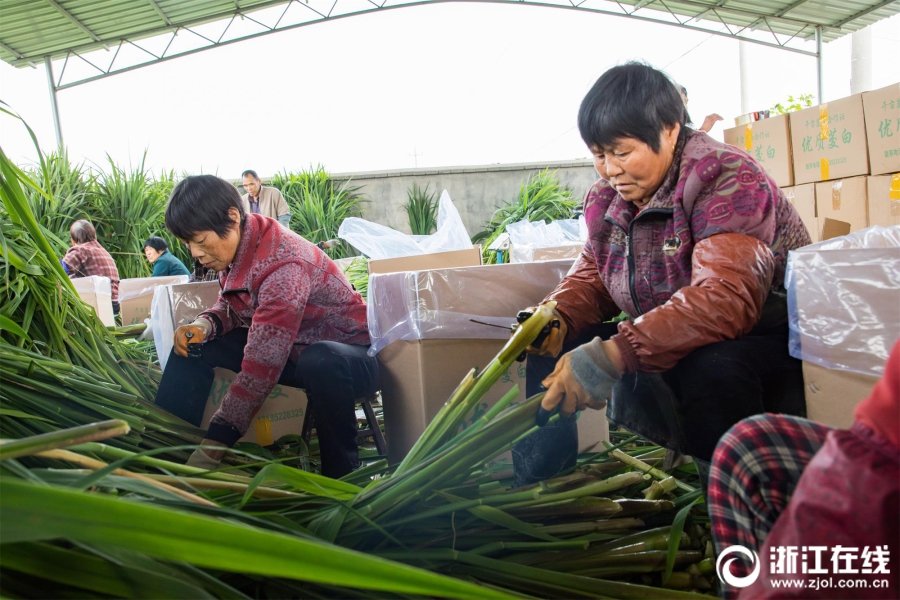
525 236
378 241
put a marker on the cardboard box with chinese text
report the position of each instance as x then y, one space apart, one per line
829 141
769 142
882 112
282 413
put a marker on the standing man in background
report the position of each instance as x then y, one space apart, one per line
264 200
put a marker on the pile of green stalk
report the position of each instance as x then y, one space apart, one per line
59 365
96 500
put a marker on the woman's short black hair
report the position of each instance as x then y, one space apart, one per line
201 203
157 243
631 100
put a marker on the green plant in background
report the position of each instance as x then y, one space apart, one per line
319 205
422 208
68 188
129 207
792 104
541 198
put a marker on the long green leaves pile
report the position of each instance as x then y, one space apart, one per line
541 198
60 366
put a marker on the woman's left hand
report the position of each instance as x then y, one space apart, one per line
583 378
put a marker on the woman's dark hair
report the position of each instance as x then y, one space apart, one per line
201 203
82 232
631 100
157 243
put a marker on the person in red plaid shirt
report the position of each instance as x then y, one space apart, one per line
87 257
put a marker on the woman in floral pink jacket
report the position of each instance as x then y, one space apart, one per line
285 314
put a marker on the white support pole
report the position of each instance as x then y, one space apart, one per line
820 84
743 50
861 61
54 106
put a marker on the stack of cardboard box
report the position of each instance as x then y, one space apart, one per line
838 163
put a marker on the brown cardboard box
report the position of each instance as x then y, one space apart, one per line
282 413
769 142
570 250
442 303
803 197
418 377
829 141
422 326
832 395
882 111
883 197
468 257
136 296
96 292
843 200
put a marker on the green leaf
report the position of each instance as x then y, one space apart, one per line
675 538
35 512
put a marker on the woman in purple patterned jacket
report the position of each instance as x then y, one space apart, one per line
689 238
285 314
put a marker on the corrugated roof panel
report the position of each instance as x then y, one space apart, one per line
35 29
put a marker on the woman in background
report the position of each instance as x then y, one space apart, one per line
164 262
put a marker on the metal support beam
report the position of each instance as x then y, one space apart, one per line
820 84
160 12
54 107
62 10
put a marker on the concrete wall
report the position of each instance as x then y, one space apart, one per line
476 191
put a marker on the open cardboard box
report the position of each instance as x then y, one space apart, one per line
136 296
467 257
282 413
422 326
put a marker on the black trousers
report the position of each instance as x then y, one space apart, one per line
333 374
687 408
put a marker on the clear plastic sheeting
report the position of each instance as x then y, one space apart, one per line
144 286
446 303
844 300
378 241
527 236
174 306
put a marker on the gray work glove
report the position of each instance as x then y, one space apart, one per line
202 460
583 378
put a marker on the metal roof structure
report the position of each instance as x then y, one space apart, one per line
87 40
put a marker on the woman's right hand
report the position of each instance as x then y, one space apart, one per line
194 333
